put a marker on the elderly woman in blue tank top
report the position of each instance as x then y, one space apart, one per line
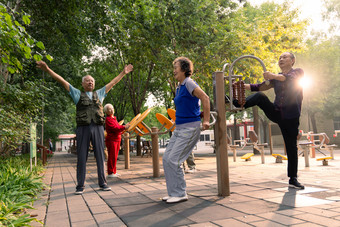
187 132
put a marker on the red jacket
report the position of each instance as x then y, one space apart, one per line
113 129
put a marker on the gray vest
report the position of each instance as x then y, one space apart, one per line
89 110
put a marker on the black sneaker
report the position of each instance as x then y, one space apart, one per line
294 183
105 188
79 191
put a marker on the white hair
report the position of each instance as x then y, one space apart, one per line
107 106
82 79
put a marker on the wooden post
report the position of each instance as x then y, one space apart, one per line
312 153
270 138
127 150
155 152
221 138
305 153
262 154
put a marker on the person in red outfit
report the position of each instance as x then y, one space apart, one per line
112 140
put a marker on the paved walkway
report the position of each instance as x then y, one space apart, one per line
259 195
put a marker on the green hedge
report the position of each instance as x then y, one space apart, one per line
19 187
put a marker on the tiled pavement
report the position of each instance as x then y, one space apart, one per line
259 195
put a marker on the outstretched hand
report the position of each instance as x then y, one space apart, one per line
128 68
42 65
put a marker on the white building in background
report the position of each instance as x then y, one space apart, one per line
207 138
66 141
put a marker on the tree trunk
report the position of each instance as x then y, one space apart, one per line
313 121
265 126
138 147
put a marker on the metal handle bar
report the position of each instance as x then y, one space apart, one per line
213 115
230 77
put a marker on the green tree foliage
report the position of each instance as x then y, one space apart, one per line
321 64
100 37
17 46
18 100
332 15
265 31
68 29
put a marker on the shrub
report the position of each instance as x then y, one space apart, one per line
19 187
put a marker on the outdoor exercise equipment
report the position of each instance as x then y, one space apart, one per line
255 141
236 84
138 127
154 132
165 122
172 114
133 124
221 126
142 127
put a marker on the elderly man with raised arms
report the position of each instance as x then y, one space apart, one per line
90 122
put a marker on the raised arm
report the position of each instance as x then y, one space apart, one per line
43 66
115 80
199 93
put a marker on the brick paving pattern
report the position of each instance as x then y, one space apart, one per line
259 195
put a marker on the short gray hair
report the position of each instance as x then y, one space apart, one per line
82 79
107 106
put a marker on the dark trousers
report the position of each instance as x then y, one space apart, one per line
85 134
289 127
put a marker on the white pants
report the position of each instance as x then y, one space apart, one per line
181 144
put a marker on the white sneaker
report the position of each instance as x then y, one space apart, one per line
177 199
165 198
190 171
113 175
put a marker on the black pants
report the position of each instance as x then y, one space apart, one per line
85 134
289 127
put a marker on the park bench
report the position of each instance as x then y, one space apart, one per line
255 141
146 148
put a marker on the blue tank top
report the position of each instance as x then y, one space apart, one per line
187 106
